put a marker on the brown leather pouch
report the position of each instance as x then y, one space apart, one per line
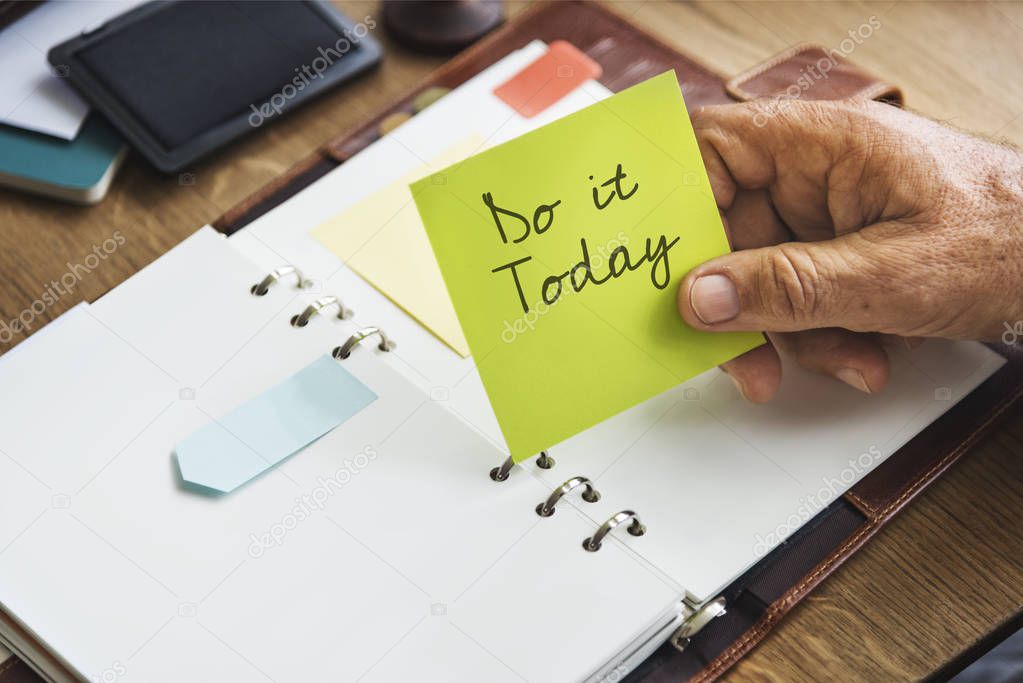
759 599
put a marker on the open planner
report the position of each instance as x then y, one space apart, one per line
402 543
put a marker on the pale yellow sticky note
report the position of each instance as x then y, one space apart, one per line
382 239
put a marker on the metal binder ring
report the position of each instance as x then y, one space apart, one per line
636 528
545 461
695 622
501 473
345 350
276 274
317 306
590 495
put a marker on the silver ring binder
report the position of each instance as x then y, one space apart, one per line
590 495
345 350
276 274
636 528
316 307
695 622
501 473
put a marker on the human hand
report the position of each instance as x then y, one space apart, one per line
854 223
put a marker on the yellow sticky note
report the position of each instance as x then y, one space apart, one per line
563 250
382 239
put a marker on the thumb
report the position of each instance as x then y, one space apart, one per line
791 287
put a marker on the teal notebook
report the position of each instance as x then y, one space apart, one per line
78 170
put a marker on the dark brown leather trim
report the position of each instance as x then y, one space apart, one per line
810 72
16 671
863 506
274 193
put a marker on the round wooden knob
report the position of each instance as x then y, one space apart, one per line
441 26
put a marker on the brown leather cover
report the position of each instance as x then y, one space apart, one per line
803 68
14 670
762 597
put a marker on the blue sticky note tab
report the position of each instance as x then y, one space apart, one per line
265 430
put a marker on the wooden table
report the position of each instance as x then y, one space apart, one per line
944 574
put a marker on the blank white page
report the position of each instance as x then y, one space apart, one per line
71 375
384 546
720 481
190 310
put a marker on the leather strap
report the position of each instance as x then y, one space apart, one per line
810 72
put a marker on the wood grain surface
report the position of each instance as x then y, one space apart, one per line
942 575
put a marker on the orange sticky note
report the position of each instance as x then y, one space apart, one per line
563 69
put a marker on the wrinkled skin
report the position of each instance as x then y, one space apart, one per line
854 225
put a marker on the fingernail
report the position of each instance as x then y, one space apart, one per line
853 378
714 299
738 385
